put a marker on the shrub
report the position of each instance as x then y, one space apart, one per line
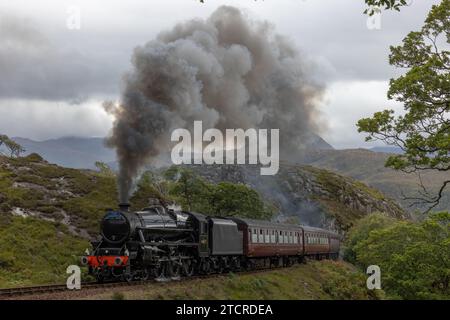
414 258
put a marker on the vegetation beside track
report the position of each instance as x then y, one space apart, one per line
314 280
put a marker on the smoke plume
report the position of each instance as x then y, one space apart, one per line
228 71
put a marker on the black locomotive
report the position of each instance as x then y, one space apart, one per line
158 242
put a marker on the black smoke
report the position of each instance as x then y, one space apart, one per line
228 71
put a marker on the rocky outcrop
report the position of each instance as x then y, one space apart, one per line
314 196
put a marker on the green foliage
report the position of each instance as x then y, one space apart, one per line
414 257
34 251
229 199
189 190
34 157
384 4
313 280
104 169
423 132
194 193
86 211
346 283
361 230
14 148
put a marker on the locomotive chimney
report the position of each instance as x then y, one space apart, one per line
124 206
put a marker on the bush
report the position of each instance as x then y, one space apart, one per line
414 258
34 157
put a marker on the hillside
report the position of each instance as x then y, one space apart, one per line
310 195
53 211
361 164
368 166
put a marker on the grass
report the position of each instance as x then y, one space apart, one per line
86 193
314 280
34 251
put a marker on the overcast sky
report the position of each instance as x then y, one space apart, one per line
53 79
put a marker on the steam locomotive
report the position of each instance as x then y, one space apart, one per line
158 242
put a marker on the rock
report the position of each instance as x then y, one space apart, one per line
316 196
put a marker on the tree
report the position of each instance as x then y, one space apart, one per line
194 193
14 148
230 199
423 132
190 191
384 4
104 169
414 257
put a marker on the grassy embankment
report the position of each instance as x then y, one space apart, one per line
313 280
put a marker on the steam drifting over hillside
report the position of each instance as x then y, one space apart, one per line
228 71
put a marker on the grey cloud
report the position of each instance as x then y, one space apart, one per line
32 67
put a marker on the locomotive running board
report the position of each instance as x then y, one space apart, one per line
185 244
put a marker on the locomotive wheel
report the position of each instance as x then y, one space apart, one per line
174 269
145 274
100 277
236 264
128 276
188 267
205 267
158 270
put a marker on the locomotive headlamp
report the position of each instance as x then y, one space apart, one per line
118 261
84 260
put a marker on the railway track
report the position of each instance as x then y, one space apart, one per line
52 288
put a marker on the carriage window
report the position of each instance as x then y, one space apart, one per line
272 237
280 238
255 236
295 237
261 236
266 237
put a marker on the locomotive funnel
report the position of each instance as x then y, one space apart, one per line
124 206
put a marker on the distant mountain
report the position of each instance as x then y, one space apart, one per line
387 149
71 152
79 152
317 142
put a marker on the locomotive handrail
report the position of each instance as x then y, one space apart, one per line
166 243
166 229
